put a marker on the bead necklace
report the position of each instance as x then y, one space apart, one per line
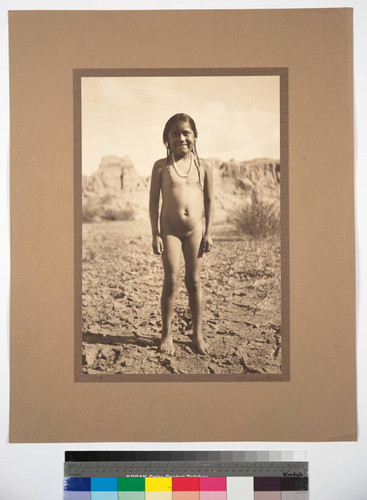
177 170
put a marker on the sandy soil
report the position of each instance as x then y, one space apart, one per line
122 281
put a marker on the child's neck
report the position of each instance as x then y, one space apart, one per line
188 161
184 158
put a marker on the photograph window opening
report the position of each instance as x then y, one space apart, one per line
182 224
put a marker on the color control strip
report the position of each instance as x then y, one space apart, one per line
254 475
186 488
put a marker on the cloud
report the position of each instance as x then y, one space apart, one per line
238 133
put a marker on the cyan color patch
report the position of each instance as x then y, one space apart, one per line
104 495
104 484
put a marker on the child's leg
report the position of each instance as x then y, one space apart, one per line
171 264
193 257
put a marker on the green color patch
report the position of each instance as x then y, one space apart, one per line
131 484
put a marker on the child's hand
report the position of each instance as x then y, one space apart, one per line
157 244
207 243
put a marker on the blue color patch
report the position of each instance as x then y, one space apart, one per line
104 484
77 495
77 484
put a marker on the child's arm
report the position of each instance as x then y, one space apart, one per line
155 189
208 206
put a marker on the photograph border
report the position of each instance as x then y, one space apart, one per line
282 72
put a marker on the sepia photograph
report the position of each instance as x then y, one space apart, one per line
181 225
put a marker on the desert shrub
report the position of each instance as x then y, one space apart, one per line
105 199
258 219
89 212
118 214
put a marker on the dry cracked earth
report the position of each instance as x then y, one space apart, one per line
122 281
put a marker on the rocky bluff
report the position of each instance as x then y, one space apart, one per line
117 187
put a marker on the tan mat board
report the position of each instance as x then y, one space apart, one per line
318 403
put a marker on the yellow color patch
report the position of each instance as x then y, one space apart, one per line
158 484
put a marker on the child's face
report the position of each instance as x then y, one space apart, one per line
181 139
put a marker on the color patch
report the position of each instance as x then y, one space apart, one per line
239 484
131 495
185 495
158 495
267 484
268 495
158 484
240 488
104 488
104 495
104 484
131 484
295 495
237 495
185 484
77 495
213 484
77 484
294 483
213 495
275 456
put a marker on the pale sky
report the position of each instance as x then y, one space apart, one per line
236 117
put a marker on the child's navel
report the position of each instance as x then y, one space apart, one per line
186 212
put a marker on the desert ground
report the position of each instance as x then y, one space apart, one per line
122 281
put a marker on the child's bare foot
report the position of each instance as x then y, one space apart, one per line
166 345
201 346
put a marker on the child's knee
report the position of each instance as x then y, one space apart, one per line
171 284
192 283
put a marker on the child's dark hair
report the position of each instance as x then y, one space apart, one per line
179 117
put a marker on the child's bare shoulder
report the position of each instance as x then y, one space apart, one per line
159 165
207 165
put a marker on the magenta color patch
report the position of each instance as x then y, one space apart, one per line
213 484
213 495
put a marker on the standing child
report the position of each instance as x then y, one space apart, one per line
184 224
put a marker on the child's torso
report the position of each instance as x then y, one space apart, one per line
182 198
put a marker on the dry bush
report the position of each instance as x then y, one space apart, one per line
95 211
105 199
89 212
118 214
258 219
